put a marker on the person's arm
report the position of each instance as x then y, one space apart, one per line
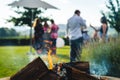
83 23
93 27
67 30
57 27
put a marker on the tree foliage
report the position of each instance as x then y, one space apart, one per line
113 15
5 32
26 16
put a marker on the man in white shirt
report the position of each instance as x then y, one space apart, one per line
74 26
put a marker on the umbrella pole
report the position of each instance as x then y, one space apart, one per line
31 33
31 40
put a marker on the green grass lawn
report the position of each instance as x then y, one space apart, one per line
13 58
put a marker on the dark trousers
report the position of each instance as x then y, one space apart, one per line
76 49
53 46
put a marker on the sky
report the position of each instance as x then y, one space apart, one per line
90 11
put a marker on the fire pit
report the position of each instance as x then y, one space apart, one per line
37 70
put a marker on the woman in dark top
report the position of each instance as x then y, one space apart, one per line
104 29
38 35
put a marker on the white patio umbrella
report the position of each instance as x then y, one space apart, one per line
32 4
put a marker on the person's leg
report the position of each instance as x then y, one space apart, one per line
106 38
54 46
79 43
72 50
76 49
39 45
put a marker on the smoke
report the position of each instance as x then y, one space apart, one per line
31 56
99 69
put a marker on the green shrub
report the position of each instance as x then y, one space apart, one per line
103 57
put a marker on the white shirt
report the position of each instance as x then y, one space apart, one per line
74 27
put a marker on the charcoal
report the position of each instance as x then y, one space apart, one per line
50 76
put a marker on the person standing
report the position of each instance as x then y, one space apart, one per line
104 29
74 31
47 30
38 36
54 36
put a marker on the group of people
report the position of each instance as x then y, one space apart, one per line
45 33
76 34
99 34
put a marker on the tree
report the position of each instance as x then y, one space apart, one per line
113 16
6 32
26 16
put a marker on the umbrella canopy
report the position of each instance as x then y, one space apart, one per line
32 4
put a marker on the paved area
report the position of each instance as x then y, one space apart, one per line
6 78
111 78
107 78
